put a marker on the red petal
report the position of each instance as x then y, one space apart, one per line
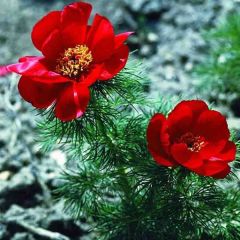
183 117
74 23
158 140
29 58
4 70
86 8
218 169
163 159
213 126
101 39
228 153
223 173
121 38
44 27
197 106
213 149
156 135
32 66
40 95
53 46
185 157
72 102
73 34
92 76
180 121
115 63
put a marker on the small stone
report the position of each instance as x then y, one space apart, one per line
3 231
23 236
170 72
59 156
152 37
234 123
136 6
23 189
5 175
189 66
145 50
155 6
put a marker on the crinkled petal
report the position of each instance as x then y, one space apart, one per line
32 66
73 34
228 153
78 12
74 20
185 157
53 46
115 63
196 106
213 126
121 38
44 28
72 102
101 39
223 173
155 130
212 149
184 116
156 135
92 76
40 95
180 121
4 70
163 159
218 169
158 140
29 58
57 79
86 8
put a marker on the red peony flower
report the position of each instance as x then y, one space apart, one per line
194 137
75 56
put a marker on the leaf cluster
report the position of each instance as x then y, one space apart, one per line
220 72
114 182
128 196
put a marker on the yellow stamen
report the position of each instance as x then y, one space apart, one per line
194 143
74 61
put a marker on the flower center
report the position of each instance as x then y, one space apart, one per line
74 61
194 143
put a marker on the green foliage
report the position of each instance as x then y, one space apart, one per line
220 72
128 196
116 184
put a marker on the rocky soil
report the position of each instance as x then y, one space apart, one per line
168 38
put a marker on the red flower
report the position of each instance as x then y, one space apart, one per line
194 137
75 56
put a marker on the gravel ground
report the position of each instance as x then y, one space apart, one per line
168 36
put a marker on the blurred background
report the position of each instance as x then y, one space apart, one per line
168 38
